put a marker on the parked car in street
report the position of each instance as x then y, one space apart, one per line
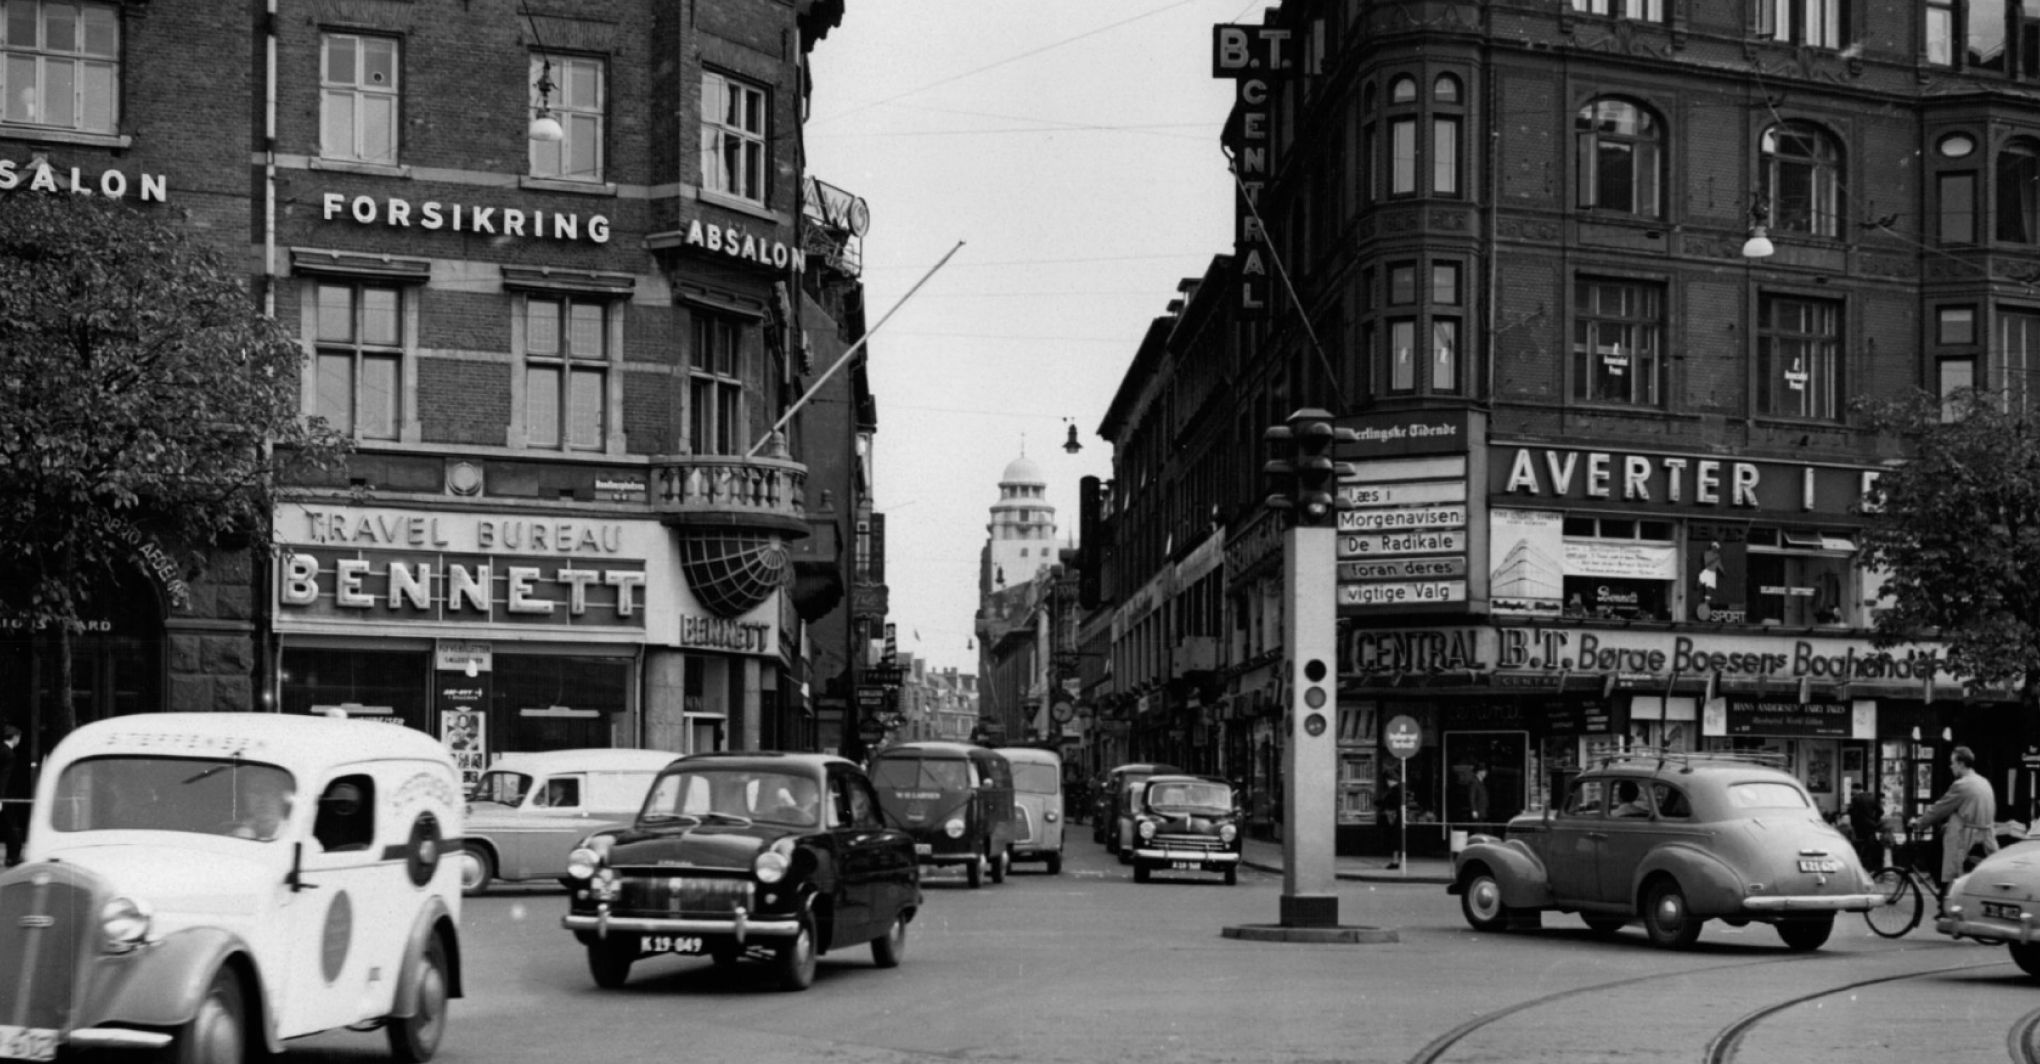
1673 840
1998 902
207 886
1037 805
773 856
1186 824
1116 796
529 809
955 799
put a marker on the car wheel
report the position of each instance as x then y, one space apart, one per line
1232 876
609 963
976 873
1665 917
477 869
1604 925
797 958
414 1038
1807 933
887 949
1000 864
1480 901
1140 873
217 1033
2027 956
1055 864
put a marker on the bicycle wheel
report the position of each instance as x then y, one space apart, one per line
1899 911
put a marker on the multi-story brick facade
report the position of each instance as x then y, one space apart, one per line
564 358
1607 478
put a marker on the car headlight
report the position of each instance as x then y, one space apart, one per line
1228 832
125 923
771 865
1146 828
954 828
582 863
1051 816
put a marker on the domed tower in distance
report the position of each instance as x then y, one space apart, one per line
1022 527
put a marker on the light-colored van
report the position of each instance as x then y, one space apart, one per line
1037 805
206 886
529 809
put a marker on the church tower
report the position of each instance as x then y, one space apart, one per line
1022 528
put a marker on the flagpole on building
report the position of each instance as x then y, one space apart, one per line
845 356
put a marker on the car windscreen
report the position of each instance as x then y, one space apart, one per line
1189 796
199 795
1765 794
921 773
508 788
727 794
1029 778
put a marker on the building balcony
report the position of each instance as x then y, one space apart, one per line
731 492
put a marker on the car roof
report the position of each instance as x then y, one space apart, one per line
1149 767
295 741
769 759
1029 753
1717 765
1185 777
937 747
585 759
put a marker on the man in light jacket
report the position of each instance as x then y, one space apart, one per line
1969 810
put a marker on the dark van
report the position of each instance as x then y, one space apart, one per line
955 799
1118 799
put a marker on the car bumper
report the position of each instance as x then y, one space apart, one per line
116 1038
1771 905
1958 922
739 927
1215 859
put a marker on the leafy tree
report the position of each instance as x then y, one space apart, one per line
1956 526
147 409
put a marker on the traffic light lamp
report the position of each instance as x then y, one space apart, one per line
1317 475
1303 478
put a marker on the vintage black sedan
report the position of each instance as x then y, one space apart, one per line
1186 824
774 856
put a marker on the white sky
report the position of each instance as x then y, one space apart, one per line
1072 146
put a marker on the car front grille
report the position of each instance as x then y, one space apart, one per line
46 933
1024 818
1206 843
685 895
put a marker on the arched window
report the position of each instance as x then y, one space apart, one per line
2018 188
1445 89
1801 177
1620 158
1403 90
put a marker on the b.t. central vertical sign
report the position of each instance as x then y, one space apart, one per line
1253 57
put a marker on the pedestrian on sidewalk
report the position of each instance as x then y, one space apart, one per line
1392 816
10 833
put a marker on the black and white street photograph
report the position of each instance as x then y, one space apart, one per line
1069 531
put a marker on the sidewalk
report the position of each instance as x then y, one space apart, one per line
1267 856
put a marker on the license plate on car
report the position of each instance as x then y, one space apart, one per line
1997 910
669 943
1186 865
1819 864
27 1043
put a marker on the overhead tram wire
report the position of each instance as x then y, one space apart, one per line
1002 62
